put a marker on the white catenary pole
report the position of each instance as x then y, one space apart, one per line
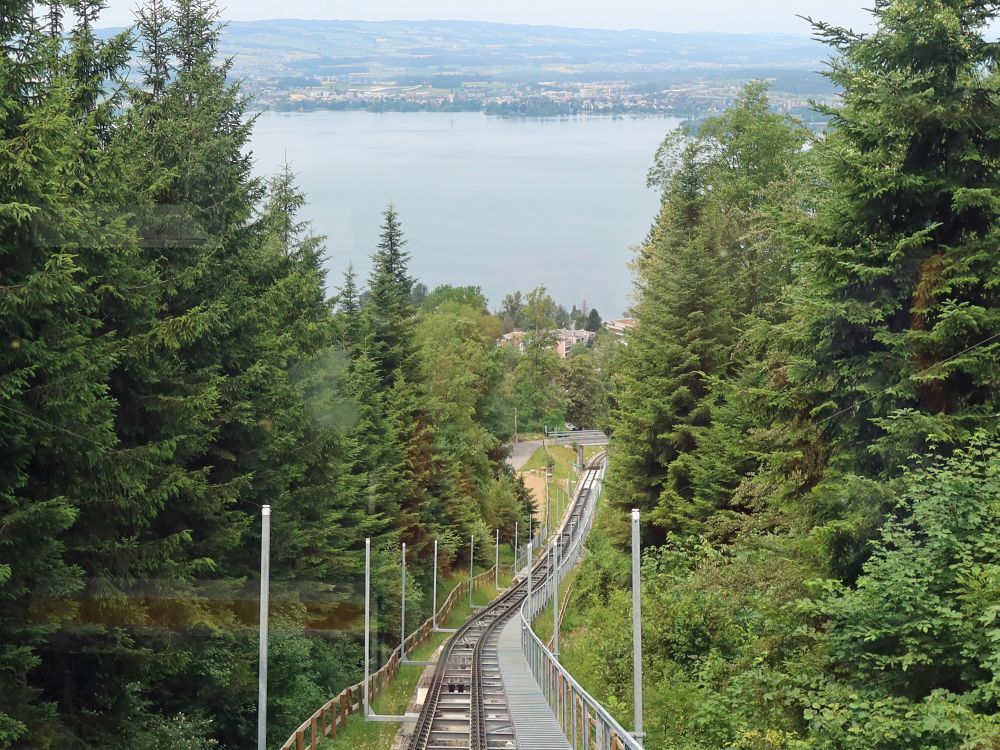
545 435
548 511
368 576
434 595
472 556
402 612
555 599
636 629
496 563
265 575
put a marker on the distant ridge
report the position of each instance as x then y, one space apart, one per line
449 45
499 24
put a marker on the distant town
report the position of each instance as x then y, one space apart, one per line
563 341
545 98
516 71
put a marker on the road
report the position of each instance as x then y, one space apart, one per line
522 452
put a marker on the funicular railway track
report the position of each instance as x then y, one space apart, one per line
465 706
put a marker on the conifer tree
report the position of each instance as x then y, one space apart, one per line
389 322
698 275
904 277
56 414
166 518
684 326
293 445
153 21
170 362
55 19
349 317
388 311
194 38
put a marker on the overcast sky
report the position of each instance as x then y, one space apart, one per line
654 15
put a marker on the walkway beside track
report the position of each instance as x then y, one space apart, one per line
535 725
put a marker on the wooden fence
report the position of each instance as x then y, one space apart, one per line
333 714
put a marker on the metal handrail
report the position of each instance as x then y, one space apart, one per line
521 558
333 714
585 722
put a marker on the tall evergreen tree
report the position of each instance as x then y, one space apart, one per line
849 432
698 274
389 312
904 276
349 317
170 362
389 322
53 364
55 19
153 21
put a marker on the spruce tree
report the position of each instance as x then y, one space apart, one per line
349 318
904 277
171 363
710 260
56 415
167 518
153 21
684 327
388 311
55 19
389 324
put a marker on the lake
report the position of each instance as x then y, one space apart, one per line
497 203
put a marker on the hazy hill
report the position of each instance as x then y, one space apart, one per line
511 52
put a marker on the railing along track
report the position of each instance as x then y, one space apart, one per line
586 724
457 712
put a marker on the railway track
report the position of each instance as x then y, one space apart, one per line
465 706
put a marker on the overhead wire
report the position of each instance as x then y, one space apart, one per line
926 370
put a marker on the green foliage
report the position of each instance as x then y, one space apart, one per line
584 384
512 312
170 362
918 635
461 368
178 732
701 270
532 376
806 414
388 312
904 272
533 388
809 396
470 296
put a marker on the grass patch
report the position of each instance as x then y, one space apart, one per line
543 623
561 456
562 482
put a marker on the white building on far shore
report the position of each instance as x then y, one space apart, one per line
620 328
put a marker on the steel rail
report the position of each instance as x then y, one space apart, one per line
585 721
465 649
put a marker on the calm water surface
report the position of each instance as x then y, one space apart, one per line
502 204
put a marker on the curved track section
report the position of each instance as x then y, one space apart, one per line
465 706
